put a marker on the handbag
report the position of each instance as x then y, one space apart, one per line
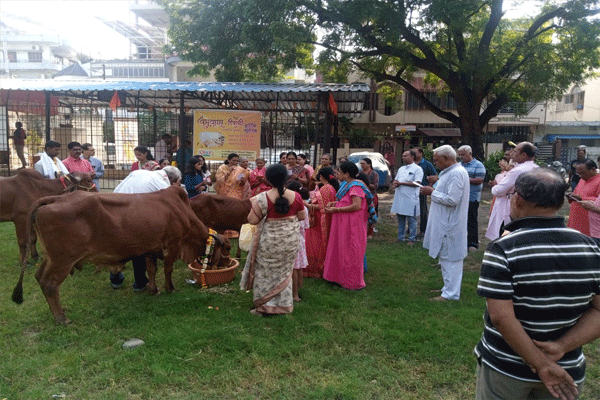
246 234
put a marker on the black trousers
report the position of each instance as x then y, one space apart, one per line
472 227
424 214
139 269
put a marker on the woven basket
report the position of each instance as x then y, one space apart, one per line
212 277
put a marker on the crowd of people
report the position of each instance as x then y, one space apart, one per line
541 280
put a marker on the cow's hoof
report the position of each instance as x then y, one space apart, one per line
63 321
170 290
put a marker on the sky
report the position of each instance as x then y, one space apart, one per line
75 21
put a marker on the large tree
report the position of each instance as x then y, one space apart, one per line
466 47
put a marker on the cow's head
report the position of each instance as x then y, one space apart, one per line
221 254
78 181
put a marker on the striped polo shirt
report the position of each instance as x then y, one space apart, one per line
550 273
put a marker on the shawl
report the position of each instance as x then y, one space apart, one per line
345 187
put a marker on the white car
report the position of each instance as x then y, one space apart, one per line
380 165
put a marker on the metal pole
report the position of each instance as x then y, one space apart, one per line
181 122
47 115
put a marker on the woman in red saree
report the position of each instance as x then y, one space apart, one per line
318 233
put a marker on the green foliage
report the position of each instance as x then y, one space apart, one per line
491 164
108 131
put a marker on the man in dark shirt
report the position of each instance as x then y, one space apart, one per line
541 282
429 178
581 158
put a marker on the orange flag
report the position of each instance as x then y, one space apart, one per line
333 105
115 102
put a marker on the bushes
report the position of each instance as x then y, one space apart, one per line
491 164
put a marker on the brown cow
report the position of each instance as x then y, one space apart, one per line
221 213
108 229
19 192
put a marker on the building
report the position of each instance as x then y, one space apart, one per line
26 54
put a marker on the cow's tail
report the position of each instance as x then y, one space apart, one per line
17 295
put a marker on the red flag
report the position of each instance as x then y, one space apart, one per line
115 102
332 105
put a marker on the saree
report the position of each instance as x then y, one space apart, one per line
256 185
268 269
228 181
318 235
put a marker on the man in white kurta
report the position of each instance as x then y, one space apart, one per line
524 156
446 233
406 198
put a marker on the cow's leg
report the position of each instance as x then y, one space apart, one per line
151 268
50 276
169 260
34 253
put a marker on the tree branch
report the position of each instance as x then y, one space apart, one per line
382 76
491 26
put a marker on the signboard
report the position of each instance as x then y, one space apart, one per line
219 133
406 128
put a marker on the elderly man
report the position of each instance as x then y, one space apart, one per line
406 197
524 155
49 165
429 178
88 154
541 282
74 162
143 181
588 189
446 234
476 172
581 158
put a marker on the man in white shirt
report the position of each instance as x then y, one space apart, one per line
49 165
143 181
446 233
162 149
406 197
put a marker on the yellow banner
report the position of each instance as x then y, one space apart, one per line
219 133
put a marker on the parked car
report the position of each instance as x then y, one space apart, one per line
380 165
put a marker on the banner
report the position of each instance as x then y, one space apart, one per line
219 133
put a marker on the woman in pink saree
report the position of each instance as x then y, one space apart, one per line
344 263
320 222
258 182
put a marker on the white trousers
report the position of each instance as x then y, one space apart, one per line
452 272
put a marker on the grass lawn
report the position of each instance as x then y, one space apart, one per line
384 342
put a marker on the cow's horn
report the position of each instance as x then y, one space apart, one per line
217 239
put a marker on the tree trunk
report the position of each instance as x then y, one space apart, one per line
472 134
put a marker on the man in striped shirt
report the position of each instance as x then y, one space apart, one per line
541 282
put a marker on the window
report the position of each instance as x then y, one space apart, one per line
580 97
568 99
12 56
445 102
34 56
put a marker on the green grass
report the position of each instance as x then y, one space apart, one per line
383 342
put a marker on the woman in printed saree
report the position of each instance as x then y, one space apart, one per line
258 183
296 172
231 178
270 262
348 237
320 221
144 160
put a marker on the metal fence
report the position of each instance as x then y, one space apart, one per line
114 134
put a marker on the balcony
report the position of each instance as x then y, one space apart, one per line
32 66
